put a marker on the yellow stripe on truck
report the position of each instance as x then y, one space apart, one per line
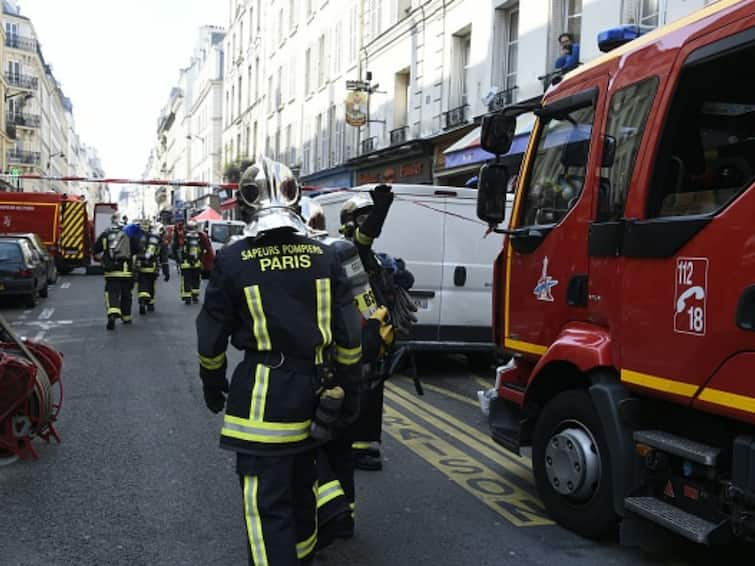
658 383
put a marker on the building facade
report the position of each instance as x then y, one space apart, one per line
40 135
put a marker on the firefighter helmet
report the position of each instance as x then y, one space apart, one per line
353 213
313 214
271 193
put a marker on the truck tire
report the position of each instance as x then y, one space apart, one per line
571 465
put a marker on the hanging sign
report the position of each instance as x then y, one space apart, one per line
356 108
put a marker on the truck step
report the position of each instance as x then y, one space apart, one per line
685 524
680 446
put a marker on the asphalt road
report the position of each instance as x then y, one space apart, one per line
139 479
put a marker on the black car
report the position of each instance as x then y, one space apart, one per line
41 248
22 271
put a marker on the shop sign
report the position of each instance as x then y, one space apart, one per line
356 108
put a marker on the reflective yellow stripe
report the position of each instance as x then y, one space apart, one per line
658 383
213 363
253 521
259 322
305 548
729 400
362 239
263 431
361 445
259 393
322 287
525 347
118 274
328 492
114 310
348 356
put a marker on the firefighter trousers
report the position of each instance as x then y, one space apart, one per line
118 297
279 502
369 426
146 285
190 280
335 480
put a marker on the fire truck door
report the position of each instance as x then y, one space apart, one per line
691 259
547 259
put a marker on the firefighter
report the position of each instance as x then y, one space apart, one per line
362 218
284 299
114 250
164 253
190 255
335 463
148 263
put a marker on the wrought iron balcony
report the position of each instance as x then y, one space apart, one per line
456 117
502 99
21 81
18 42
23 119
369 145
24 157
399 135
552 78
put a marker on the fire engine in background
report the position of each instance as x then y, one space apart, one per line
625 289
60 220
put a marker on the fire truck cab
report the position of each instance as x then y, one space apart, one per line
625 289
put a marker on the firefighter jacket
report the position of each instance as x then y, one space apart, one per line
285 300
151 253
115 267
192 250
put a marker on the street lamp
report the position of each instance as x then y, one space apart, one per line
26 95
58 154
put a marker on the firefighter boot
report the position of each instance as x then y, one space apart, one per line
111 322
187 301
368 459
142 308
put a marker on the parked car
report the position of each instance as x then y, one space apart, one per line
22 271
41 248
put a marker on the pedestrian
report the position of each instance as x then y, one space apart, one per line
283 298
569 57
114 250
362 218
148 263
164 253
190 255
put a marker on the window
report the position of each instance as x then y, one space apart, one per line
248 136
249 86
706 156
401 99
512 47
337 50
240 85
281 24
627 115
309 7
279 90
330 138
241 38
292 76
462 43
256 79
573 17
233 100
270 94
648 13
317 151
308 71
353 27
321 61
292 148
291 14
251 24
506 50
254 141
557 176
375 9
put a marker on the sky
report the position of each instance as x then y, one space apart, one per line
117 62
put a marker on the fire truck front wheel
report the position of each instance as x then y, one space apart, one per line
571 465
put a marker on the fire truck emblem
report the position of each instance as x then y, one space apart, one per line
544 285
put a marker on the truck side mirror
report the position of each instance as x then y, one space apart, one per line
575 153
609 151
497 132
491 193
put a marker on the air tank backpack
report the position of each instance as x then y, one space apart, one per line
192 247
118 246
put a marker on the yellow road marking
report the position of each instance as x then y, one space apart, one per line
451 394
486 383
505 498
469 436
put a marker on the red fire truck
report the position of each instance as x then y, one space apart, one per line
625 289
60 220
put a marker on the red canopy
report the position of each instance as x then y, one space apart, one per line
207 214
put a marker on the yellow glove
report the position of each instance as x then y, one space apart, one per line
387 335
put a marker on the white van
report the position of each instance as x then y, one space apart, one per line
435 230
221 231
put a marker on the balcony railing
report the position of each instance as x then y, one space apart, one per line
23 119
369 145
21 81
502 99
24 157
551 78
399 135
18 42
456 117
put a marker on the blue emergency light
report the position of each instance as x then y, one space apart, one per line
618 36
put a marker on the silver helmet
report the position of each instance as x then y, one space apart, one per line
313 214
272 193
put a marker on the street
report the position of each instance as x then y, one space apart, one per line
139 479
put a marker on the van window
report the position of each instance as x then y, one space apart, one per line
707 153
558 171
627 116
222 233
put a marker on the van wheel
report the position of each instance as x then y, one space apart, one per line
571 465
45 291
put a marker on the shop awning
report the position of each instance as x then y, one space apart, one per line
467 150
207 214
